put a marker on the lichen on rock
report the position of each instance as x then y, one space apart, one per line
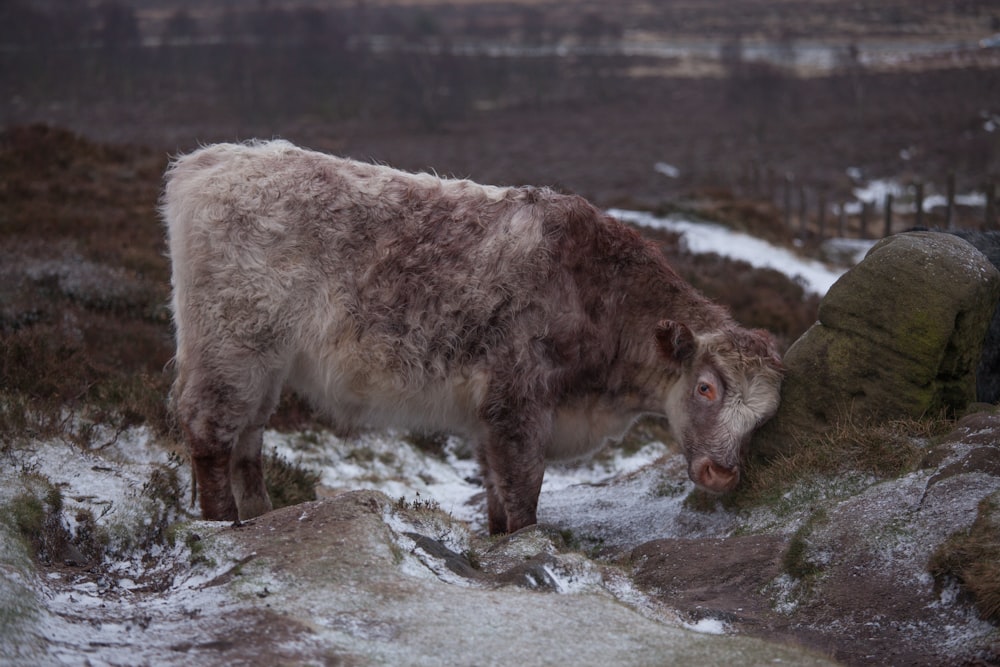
898 336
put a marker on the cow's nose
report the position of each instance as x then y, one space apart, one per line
715 477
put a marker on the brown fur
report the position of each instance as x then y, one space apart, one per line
523 318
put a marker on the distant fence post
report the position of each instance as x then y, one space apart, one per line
788 201
919 203
949 214
821 217
990 214
797 220
803 212
888 214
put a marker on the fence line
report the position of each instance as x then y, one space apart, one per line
860 218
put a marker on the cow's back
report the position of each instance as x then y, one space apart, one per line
365 281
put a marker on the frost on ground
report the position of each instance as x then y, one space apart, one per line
360 576
622 564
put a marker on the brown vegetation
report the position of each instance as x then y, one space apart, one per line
972 558
83 318
883 450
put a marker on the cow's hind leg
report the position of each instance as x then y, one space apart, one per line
219 413
247 464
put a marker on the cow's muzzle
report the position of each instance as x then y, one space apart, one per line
712 476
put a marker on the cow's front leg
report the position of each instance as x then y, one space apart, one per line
210 461
512 496
513 463
210 428
496 513
221 408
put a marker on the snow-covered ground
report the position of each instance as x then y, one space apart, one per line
386 462
66 615
156 606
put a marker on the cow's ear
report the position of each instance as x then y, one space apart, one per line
760 343
676 341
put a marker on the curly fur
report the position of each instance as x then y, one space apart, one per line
521 317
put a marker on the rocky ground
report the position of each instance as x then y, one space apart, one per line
629 565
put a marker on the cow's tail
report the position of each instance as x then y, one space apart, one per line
179 204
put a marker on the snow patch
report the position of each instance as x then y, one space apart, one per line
708 626
384 462
704 237
668 170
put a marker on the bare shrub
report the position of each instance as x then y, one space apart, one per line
288 483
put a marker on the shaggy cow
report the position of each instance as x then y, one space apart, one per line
524 319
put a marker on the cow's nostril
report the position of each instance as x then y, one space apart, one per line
717 478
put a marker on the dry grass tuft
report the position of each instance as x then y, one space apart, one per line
884 450
36 515
288 483
49 373
972 558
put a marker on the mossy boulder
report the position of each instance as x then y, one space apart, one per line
898 336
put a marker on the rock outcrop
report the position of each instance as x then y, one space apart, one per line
900 335
988 372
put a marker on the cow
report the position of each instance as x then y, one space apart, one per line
527 320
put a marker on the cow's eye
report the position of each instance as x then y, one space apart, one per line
707 389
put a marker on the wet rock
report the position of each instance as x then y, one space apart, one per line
455 562
509 551
972 447
341 590
712 578
988 371
898 336
531 558
534 574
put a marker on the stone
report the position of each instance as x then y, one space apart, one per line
988 372
332 579
899 336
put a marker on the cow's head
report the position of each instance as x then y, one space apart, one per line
727 385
